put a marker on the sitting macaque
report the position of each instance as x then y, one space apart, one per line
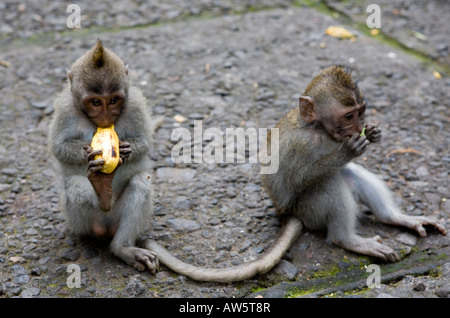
117 204
317 186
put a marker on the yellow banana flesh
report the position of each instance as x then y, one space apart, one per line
107 140
363 132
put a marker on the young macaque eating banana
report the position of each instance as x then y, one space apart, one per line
317 186
114 197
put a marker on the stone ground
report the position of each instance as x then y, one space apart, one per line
230 64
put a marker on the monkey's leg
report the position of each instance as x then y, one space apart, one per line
375 194
133 211
79 204
340 210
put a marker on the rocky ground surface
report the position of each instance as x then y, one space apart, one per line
229 64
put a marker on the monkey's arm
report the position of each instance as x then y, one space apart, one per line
133 148
66 144
70 151
313 163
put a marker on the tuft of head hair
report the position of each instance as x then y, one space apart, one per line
99 70
98 55
334 83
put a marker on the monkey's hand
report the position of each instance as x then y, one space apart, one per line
124 150
373 133
356 145
93 165
101 182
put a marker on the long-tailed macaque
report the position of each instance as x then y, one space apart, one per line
317 186
98 95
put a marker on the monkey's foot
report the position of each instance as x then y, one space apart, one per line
417 224
370 246
139 258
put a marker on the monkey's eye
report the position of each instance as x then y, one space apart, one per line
96 102
114 100
349 116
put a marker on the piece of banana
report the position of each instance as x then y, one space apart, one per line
107 140
363 132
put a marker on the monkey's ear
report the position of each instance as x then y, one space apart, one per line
69 75
307 109
126 69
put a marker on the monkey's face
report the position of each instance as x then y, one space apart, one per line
104 110
342 122
99 85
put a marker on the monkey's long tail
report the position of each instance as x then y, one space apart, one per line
290 231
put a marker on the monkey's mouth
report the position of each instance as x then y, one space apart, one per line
102 123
